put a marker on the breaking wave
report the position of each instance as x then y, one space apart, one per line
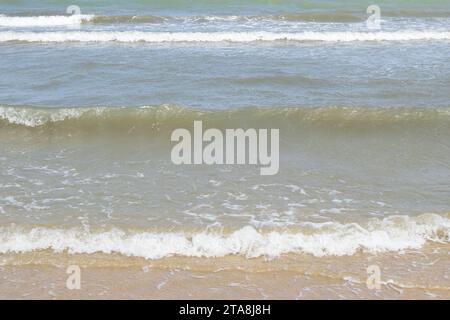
207 37
172 115
43 21
332 17
318 239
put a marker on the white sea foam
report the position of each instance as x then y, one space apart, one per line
35 117
44 21
389 234
159 37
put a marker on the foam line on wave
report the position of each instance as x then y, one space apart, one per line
318 239
211 37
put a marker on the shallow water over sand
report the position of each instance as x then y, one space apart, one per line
88 104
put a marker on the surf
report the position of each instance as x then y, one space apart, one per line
394 233
43 21
171 115
212 37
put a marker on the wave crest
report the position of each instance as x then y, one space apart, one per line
211 37
173 116
324 239
44 21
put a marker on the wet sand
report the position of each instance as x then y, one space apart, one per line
405 275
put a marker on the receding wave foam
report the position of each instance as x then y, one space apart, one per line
390 234
205 37
43 21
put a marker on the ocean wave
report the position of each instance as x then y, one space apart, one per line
43 21
291 17
173 115
207 37
318 239
65 20
331 17
35 117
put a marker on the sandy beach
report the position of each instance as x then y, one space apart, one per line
287 277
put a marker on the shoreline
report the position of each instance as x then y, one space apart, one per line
411 274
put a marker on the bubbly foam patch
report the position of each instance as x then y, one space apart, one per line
34 117
160 37
44 21
390 234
